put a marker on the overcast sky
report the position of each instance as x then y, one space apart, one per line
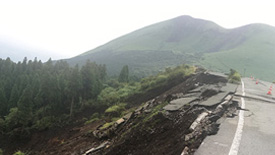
69 28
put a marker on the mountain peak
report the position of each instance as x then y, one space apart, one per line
184 17
185 39
201 24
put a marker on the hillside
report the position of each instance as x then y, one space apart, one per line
162 114
189 40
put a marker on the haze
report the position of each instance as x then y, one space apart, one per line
63 29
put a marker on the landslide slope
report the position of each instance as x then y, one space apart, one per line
189 40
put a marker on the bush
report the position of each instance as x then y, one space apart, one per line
108 96
91 121
19 153
127 90
163 77
234 76
106 125
94 117
1 152
116 110
44 123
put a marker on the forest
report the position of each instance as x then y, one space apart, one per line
36 95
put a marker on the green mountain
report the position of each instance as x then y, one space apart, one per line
189 40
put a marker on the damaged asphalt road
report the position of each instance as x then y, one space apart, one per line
257 135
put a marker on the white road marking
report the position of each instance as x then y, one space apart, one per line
238 135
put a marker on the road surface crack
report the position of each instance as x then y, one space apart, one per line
251 114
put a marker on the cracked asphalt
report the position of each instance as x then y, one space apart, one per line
257 135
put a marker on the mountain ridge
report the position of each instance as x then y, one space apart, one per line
183 39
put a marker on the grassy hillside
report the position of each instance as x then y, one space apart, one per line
188 40
254 57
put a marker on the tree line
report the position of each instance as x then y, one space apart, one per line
34 94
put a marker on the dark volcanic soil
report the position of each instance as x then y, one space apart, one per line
160 135
72 139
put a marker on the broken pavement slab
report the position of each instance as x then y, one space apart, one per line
198 120
175 105
230 88
218 98
92 150
120 121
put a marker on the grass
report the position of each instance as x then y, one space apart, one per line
246 61
106 125
255 57
118 108
19 153
91 121
95 117
155 111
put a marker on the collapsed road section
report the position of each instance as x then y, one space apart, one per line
175 122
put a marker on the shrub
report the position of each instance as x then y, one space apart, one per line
234 76
155 111
106 125
44 123
108 95
94 117
1 152
19 153
91 121
116 109
169 74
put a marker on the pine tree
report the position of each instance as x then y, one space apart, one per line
14 97
74 86
3 102
25 105
124 74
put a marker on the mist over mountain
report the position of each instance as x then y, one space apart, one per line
16 51
189 40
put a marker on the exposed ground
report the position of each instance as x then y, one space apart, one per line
168 121
153 130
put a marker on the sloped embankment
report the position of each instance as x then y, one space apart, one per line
174 122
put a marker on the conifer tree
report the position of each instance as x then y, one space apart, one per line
3 102
124 74
25 105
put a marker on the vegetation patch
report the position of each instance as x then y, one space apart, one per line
234 76
93 118
116 109
19 153
106 125
39 96
155 111
164 77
